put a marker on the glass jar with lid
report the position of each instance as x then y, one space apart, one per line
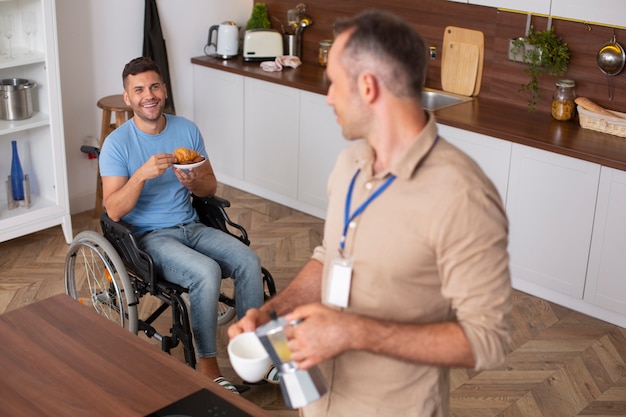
563 105
323 51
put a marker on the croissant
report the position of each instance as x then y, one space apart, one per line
186 156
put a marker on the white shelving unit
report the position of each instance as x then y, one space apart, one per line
40 138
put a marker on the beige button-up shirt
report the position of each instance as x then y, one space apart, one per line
431 248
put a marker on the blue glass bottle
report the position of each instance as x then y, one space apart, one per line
17 175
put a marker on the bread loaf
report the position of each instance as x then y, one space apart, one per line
587 104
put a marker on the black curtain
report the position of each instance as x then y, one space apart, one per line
154 47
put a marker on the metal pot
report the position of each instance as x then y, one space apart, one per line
611 58
16 101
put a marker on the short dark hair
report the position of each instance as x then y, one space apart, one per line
388 47
138 66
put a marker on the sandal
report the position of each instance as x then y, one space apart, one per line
272 375
223 382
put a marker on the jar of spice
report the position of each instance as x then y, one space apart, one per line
563 105
323 52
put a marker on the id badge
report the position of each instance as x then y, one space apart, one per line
338 289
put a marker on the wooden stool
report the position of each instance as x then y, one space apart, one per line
111 106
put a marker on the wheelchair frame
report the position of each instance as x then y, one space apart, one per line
115 273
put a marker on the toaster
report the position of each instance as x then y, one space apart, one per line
262 45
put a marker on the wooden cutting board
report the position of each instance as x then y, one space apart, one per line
462 60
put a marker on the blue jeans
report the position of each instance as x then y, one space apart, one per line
196 257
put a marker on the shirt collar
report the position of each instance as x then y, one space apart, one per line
406 167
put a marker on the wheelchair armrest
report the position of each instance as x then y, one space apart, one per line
212 213
120 235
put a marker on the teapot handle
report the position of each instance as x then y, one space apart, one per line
211 30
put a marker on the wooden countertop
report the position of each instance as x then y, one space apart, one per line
60 358
480 115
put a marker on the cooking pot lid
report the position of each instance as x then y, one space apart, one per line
9 84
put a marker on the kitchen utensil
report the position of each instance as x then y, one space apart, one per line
226 39
462 60
16 101
611 58
299 387
463 57
292 19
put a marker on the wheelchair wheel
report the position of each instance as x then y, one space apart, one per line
96 276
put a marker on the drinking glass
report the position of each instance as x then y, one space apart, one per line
6 26
29 26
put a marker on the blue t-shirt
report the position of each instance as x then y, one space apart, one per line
164 201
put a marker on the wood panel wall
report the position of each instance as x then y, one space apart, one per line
502 78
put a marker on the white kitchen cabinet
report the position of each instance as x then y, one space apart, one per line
610 12
492 155
607 12
40 138
218 112
606 274
550 204
274 141
271 129
532 6
320 143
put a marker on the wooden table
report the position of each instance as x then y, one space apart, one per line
59 358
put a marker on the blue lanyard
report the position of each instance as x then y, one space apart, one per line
347 217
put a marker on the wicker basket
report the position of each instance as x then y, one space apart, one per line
602 123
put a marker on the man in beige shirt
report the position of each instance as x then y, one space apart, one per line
412 277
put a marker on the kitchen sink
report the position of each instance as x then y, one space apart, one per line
437 99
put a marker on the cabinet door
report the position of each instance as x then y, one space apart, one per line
534 6
492 154
551 203
320 142
606 275
271 136
610 12
218 112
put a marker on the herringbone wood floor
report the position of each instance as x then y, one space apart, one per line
564 363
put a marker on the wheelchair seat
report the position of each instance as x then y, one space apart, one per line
111 273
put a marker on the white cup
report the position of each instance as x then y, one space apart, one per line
248 357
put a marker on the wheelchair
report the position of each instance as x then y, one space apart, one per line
110 273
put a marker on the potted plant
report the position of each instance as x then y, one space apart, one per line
544 53
259 18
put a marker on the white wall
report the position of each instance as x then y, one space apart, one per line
96 39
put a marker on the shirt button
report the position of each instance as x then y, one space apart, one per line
368 186
352 224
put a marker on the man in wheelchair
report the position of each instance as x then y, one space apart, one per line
143 185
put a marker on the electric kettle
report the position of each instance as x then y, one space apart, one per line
226 41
